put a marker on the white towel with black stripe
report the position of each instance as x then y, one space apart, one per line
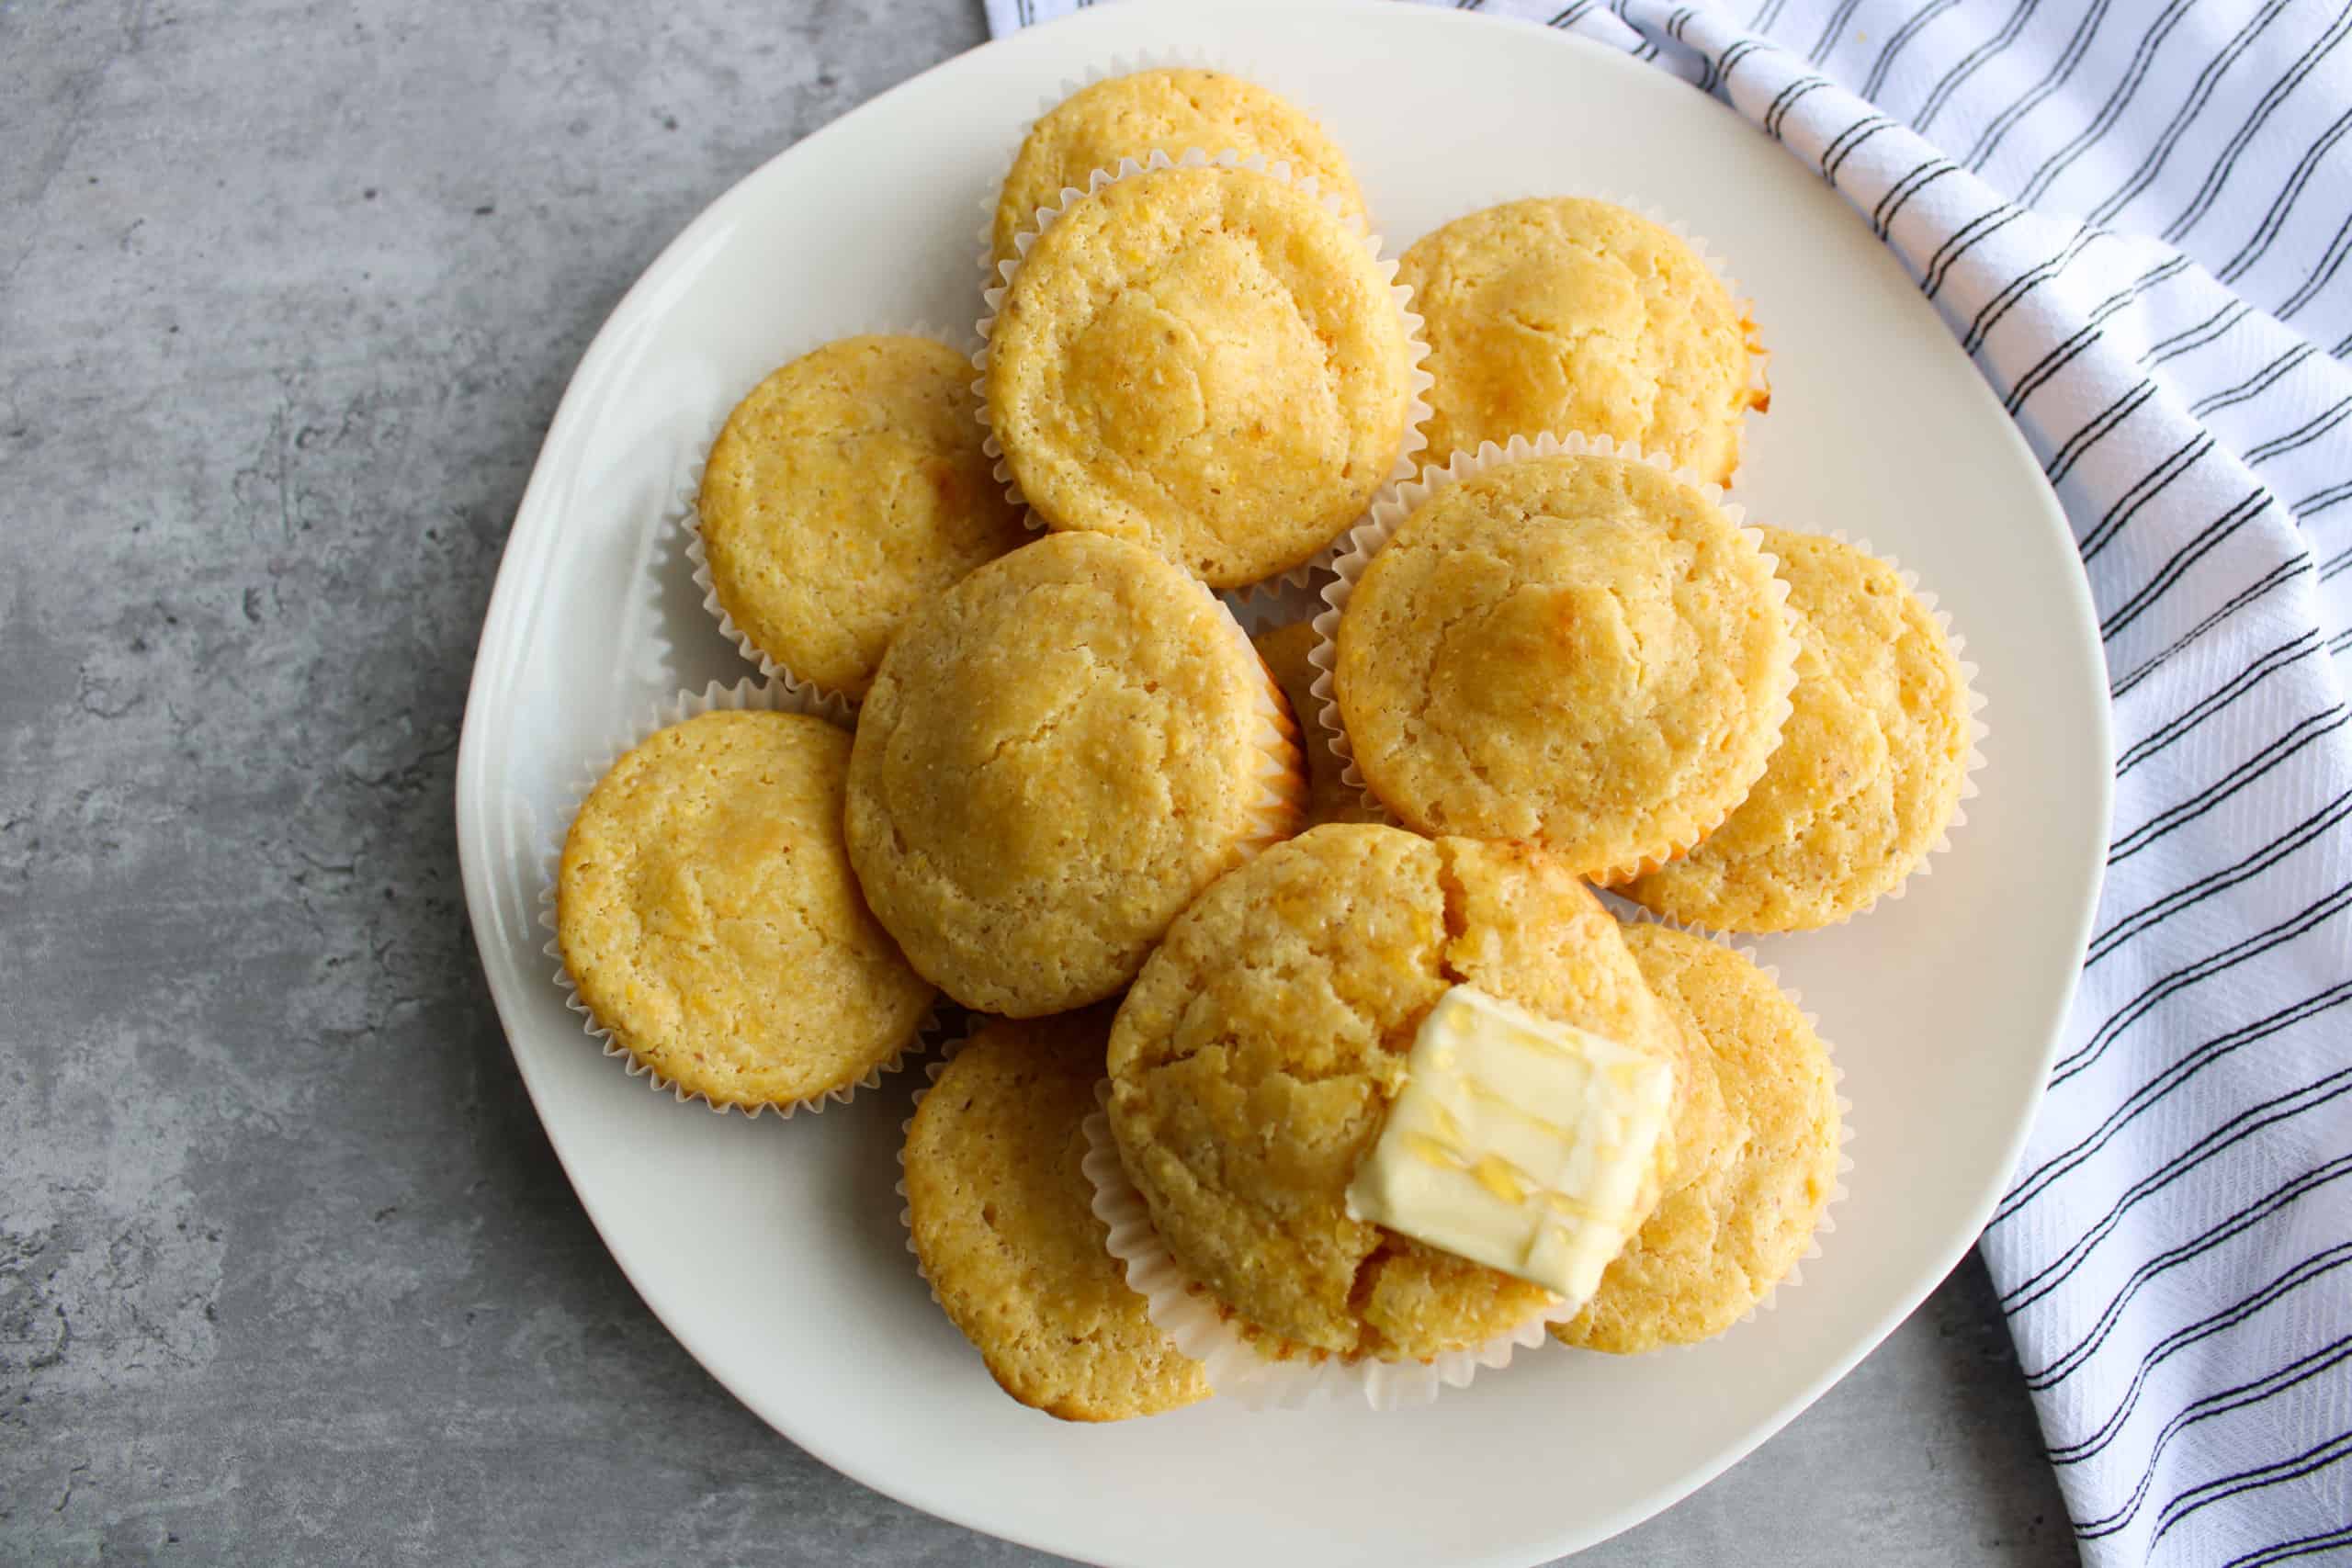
2137 224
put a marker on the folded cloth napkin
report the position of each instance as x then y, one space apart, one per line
2136 216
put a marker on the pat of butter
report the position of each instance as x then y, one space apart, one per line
1517 1142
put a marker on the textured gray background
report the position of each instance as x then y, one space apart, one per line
288 1273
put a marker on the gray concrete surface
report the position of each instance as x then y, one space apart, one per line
288 1273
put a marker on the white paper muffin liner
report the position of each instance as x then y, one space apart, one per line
1977 732
684 514
1759 379
1278 600
1418 381
1281 766
1400 500
1314 741
745 695
1236 1367
1826 1223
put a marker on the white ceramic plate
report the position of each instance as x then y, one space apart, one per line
773 1248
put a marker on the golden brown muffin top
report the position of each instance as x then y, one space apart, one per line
1870 767
1002 1223
1751 1179
849 487
1253 1063
1169 111
1578 649
1058 754
707 914
1565 314
1204 361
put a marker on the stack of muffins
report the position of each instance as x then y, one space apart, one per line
1019 778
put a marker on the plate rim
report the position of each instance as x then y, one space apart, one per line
507 971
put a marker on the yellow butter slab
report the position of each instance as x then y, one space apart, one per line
1517 1142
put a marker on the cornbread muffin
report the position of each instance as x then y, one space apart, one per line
1750 1180
1204 361
1330 796
1581 650
1060 753
1002 1223
1870 763
1164 111
1565 314
1254 1061
848 488
708 918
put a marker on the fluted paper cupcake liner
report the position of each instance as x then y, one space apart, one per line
1827 1221
1280 767
1279 601
685 518
744 696
1400 500
1235 1359
1418 380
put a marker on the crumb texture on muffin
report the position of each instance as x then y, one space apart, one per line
1869 771
1253 1063
1565 314
849 487
1578 649
1203 361
1169 111
707 914
1060 753
1001 1218
1756 1163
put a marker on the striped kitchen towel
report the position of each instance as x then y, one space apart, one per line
2135 215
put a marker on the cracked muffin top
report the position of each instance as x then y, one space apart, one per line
849 487
1204 361
707 915
1869 768
1001 1218
1563 314
1581 650
1058 755
1163 111
1254 1062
